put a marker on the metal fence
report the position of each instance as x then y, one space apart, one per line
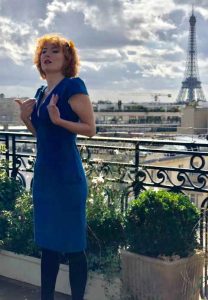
132 165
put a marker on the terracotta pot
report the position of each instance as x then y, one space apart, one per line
146 278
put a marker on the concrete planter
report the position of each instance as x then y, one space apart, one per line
27 269
150 278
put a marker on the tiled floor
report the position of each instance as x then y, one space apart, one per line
16 290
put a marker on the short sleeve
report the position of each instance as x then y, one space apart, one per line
78 86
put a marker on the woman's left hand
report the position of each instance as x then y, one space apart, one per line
53 110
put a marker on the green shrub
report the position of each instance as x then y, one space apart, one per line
105 220
3 226
20 227
162 223
105 225
10 189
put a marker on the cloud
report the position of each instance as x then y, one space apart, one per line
127 20
15 39
123 44
95 13
23 11
200 3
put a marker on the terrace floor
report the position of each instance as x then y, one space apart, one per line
15 290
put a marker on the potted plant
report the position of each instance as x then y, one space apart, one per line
161 260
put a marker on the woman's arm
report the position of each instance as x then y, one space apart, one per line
29 126
82 106
26 108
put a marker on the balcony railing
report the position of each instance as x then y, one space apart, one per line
132 164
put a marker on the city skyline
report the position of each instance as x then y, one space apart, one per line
128 49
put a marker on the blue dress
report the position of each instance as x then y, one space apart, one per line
59 185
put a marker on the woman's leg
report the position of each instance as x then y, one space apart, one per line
77 274
49 269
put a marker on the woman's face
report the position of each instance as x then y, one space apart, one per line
52 59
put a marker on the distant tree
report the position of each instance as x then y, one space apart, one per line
2 96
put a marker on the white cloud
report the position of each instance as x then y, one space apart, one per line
86 65
203 12
16 38
52 9
147 17
123 44
99 15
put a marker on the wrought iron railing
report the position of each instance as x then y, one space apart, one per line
130 164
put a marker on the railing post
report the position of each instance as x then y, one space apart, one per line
206 248
136 168
14 169
7 152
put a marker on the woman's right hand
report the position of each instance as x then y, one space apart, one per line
26 107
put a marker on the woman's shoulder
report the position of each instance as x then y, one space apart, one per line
76 85
74 80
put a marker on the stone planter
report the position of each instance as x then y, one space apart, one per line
146 278
27 269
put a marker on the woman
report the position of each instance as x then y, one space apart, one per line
59 111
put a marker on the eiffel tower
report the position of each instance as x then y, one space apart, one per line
191 89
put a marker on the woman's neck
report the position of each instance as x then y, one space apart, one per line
53 80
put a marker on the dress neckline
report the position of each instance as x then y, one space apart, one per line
41 100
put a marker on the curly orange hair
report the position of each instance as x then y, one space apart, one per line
71 65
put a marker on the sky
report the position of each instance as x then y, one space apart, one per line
129 49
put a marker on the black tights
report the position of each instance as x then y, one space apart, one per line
50 261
